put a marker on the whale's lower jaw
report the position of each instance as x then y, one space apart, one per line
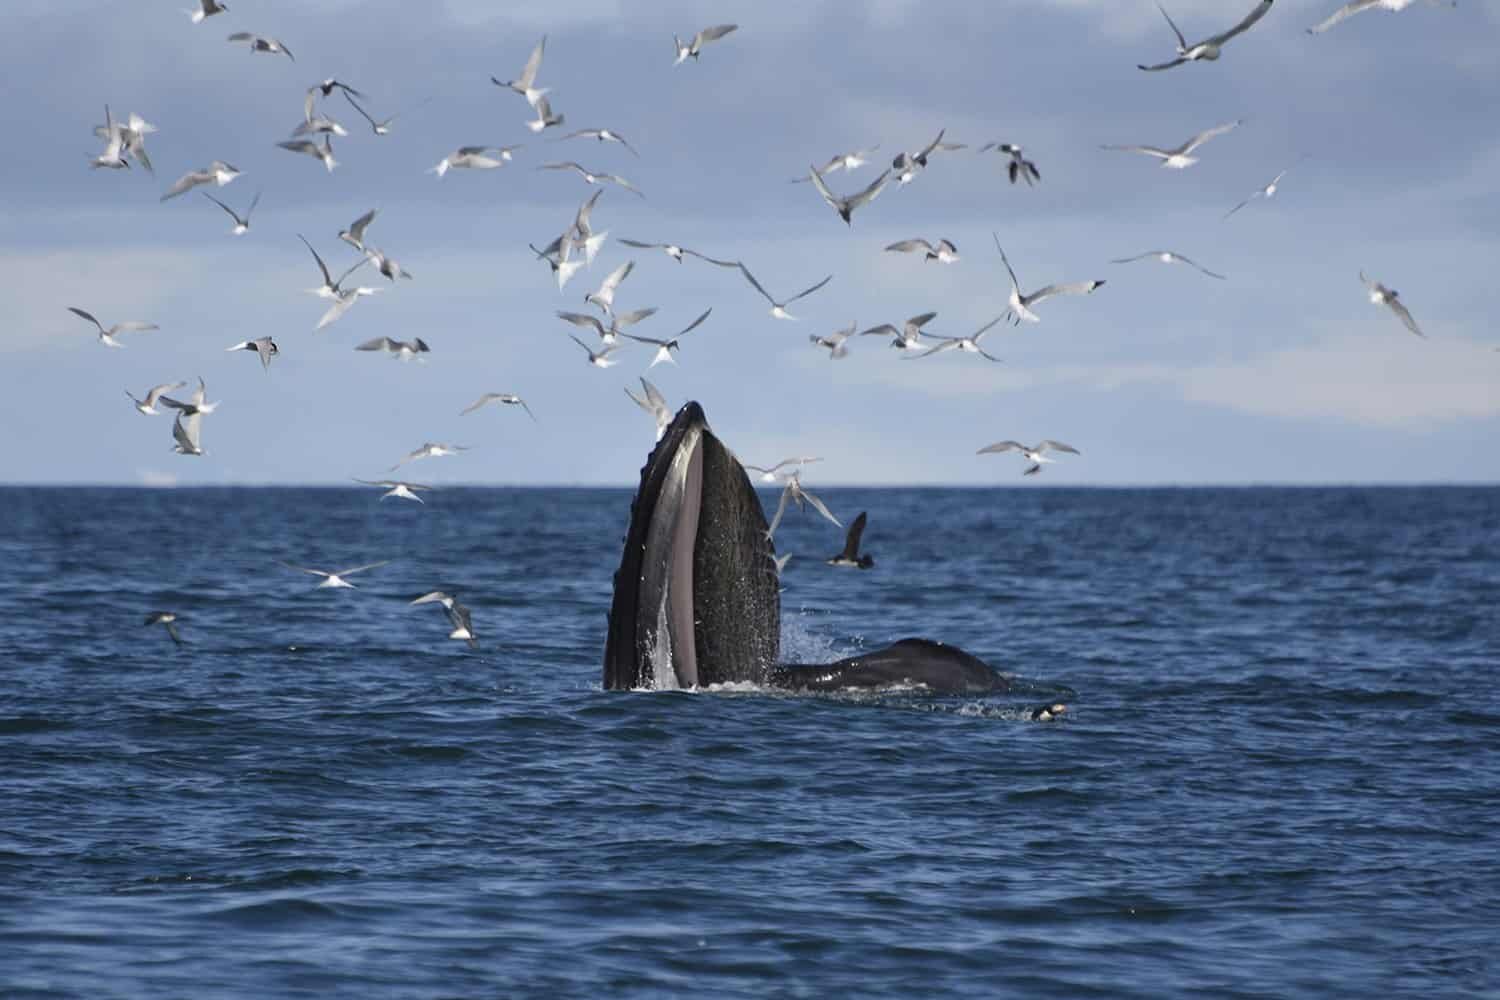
917 663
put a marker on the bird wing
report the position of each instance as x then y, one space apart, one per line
616 276
360 569
751 278
715 260
818 505
357 229
1050 445
583 319
327 278
948 344
184 183
1006 261
378 344
908 246
884 328
695 323
1206 135
304 569
534 63
363 113
828 195
133 326
1000 446
870 193
1260 11
1072 288
1132 260
1182 42
242 36
181 436
86 315
232 214
658 401
1348 10
635 316
1401 311
1241 205
645 246
1161 66
1194 263
1148 150
713 34
808 291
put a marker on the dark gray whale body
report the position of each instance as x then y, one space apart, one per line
697 597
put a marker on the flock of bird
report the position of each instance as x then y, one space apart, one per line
607 330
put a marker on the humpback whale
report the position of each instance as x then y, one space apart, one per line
697 596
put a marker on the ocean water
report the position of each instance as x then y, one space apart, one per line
1280 774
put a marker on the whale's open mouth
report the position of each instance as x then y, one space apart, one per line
696 599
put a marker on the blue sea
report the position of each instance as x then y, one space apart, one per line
1279 775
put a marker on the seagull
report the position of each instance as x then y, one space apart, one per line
1380 295
186 435
197 406
263 346
676 252
781 562
1359 6
343 301
583 231
561 265
851 557
396 348
1020 305
217 172
331 289
169 618
474 158
508 398
458 615
1210 47
323 153
355 234
847 206
609 335
1168 257
769 475
430 450
909 337
1269 191
834 342
1048 713
396 488
604 298
262 44
132 135
382 127
1035 456
969 344
525 84
544 116
241 225
114 146
796 493
206 8
944 252
336 577
387 266
1020 168
664 348
778 309
699 40
1178 159
592 177
654 403
107 337
318 124
908 165
601 358
601 134
843 161
147 406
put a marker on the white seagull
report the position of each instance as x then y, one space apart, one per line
402 349
1269 191
701 39
1036 456
969 344
323 153
604 298
592 177
769 475
544 116
1179 158
355 234
474 158
1168 257
908 337
1019 167
525 84
1210 47
330 289
259 43
336 577
944 252
600 358
508 398
846 207
264 347
677 252
1020 305
107 337
217 172
241 224
199 403
655 404
800 496
396 488
778 309
1380 295
167 618
1359 6
602 135
206 8
843 161
147 406
834 342
113 156
664 348
431 450
186 435
458 616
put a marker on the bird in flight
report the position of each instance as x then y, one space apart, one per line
1210 47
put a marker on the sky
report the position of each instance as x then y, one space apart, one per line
1283 373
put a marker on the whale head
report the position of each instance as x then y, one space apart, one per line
696 598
